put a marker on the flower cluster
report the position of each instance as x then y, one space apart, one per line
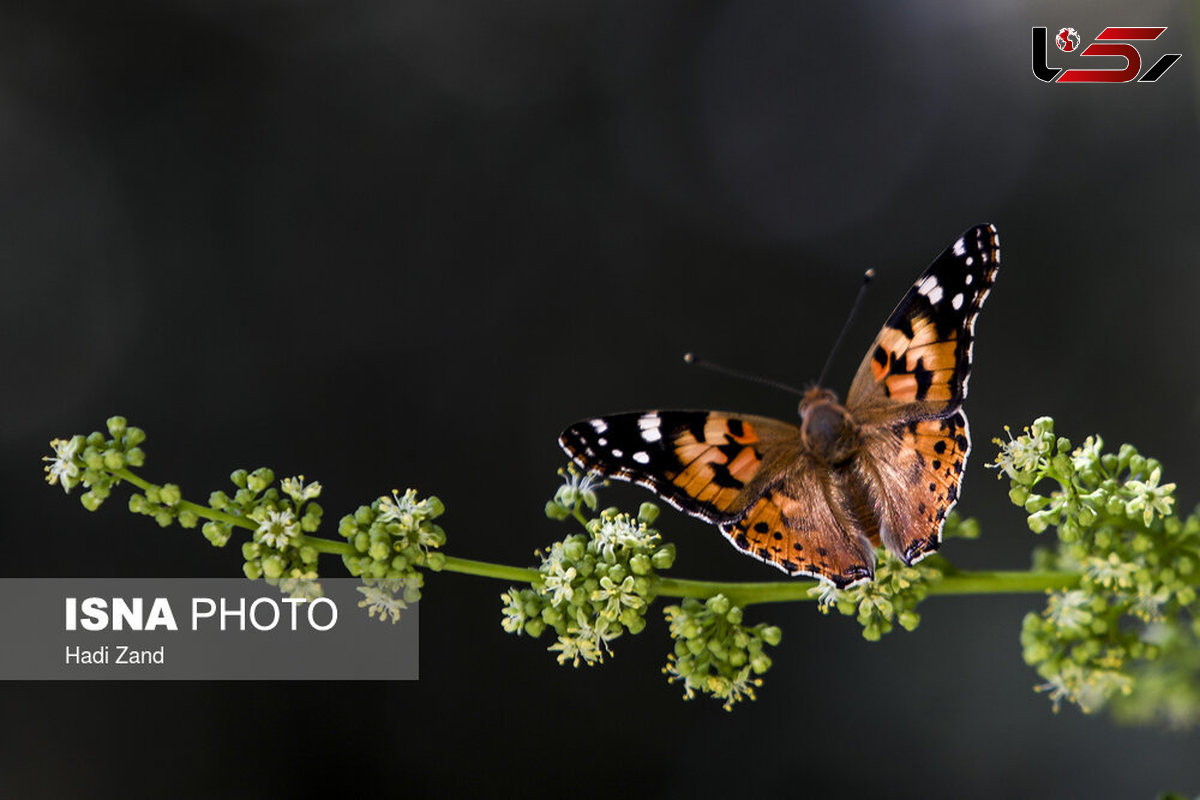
897 589
393 539
1127 635
592 587
714 652
94 461
277 550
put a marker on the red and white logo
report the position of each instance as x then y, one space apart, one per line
1113 43
1067 40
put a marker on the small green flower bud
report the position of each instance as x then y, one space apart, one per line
575 548
1137 464
534 627
114 460
163 518
909 620
260 479
273 566
647 513
734 616
116 426
188 519
1017 494
216 533
718 604
90 500
252 570
133 437
556 511
639 564
170 494
435 561
664 557
135 457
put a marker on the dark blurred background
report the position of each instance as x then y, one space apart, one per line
390 244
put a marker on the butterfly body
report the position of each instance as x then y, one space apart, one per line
816 498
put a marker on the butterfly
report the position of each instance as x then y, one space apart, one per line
815 499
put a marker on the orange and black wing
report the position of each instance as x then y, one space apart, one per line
907 396
746 474
920 362
804 524
913 472
707 463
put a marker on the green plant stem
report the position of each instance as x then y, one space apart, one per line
486 569
742 593
199 510
957 584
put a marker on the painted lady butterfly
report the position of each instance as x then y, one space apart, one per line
814 499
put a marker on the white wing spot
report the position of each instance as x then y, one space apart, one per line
960 247
618 453
957 301
651 425
600 425
602 442
641 457
929 287
970 260
970 278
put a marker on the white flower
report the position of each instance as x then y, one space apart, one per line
514 611
302 588
278 528
1110 572
583 641
1087 454
382 600
62 466
827 595
1026 453
558 581
616 596
578 487
620 531
734 690
1149 604
298 491
1070 610
1149 497
399 509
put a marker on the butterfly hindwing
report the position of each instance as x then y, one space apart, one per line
706 463
914 471
794 527
922 356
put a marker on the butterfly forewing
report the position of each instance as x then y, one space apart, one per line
908 395
920 362
706 463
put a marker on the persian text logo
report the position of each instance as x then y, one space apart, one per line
1110 42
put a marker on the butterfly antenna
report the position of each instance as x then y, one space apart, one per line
691 358
862 290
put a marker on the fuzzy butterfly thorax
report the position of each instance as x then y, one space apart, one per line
815 499
827 428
